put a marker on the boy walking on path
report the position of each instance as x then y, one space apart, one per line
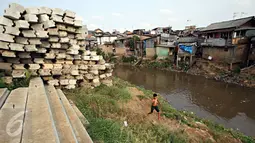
154 105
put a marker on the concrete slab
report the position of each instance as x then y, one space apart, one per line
57 11
79 130
78 23
21 40
49 24
2 29
53 82
31 18
24 55
37 26
68 20
62 34
16 47
13 60
44 72
5 21
19 73
56 18
39 60
10 54
39 125
56 72
4 45
41 50
21 24
41 34
17 7
56 45
45 10
70 29
18 66
11 30
50 56
64 40
63 125
30 48
6 37
12 14
26 61
53 39
34 41
53 31
34 66
4 92
12 112
70 14
43 18
61 56
28 33
61 26
45 44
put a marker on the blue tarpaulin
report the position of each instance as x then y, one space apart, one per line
185 48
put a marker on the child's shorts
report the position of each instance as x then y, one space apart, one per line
154 108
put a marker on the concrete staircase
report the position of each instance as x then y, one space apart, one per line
40 114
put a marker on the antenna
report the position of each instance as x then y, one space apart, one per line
243 14
235 15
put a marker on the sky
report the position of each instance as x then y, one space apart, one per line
146 14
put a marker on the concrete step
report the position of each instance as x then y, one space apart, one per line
39 126
63 125
4 92
12 116
79 114
79 130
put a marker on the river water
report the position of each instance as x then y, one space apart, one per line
230 105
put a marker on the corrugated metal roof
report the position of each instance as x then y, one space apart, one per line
227 24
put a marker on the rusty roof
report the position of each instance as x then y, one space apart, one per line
227 24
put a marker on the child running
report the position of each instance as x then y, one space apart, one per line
154 105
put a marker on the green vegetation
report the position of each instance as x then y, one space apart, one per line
109 57
132 41
155 57
237 70
103 107
16 83
130 59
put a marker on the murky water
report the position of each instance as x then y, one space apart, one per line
227 104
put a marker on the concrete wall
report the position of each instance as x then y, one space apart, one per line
162 52
150 52
120 51
237 54
106 49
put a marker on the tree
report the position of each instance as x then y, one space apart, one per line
131 42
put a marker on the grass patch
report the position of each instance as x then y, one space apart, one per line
108 131
101 106
16 83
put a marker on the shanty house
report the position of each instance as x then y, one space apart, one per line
222 40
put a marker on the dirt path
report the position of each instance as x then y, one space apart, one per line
140 107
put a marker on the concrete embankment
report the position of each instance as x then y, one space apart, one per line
39 114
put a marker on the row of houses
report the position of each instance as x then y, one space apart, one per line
230 42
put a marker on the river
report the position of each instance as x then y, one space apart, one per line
230 105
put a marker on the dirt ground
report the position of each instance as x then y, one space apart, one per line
221 72
140 107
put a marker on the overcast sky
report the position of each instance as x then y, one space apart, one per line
133 14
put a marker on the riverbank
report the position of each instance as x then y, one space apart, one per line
210 70
106 108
